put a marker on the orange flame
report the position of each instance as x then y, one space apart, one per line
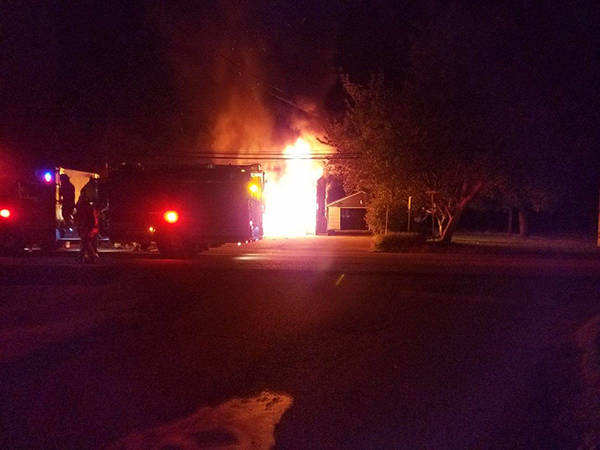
291 195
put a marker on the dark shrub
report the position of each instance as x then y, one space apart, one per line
398 242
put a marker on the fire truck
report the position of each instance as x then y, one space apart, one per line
185 208
31 211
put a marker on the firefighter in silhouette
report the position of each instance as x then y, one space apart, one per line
67 199
87 220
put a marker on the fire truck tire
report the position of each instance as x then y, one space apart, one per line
176 249
11 244
50 246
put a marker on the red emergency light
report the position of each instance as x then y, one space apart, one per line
5 213
171 216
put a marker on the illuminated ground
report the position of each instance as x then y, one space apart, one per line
341 347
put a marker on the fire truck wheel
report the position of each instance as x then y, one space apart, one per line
176 249
11 244
49 246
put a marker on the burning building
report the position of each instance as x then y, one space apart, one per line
241 103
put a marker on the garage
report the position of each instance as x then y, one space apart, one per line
347 213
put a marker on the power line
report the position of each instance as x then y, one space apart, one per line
263 156
272 158
278 154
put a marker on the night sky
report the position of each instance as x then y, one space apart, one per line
90 81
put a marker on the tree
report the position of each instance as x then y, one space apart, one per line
369 140
484 106
390 157
424 138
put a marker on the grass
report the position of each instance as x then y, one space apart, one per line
558 243
489 243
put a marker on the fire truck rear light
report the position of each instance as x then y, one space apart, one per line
5 213
171 216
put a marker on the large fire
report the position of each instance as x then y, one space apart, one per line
291 193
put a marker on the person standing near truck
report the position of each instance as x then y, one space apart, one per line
67 199
87 220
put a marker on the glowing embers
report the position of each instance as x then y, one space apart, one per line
290 193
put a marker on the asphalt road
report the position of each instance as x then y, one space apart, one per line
305 343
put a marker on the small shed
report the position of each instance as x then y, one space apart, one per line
348 213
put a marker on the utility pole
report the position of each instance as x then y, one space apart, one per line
433 210
387 215
409 207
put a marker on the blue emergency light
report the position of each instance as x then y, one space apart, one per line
47 177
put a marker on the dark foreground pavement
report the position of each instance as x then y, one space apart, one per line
334 346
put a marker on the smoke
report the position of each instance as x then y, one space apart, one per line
252 83
243 120
250 77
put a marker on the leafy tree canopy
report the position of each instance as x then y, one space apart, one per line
467 120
